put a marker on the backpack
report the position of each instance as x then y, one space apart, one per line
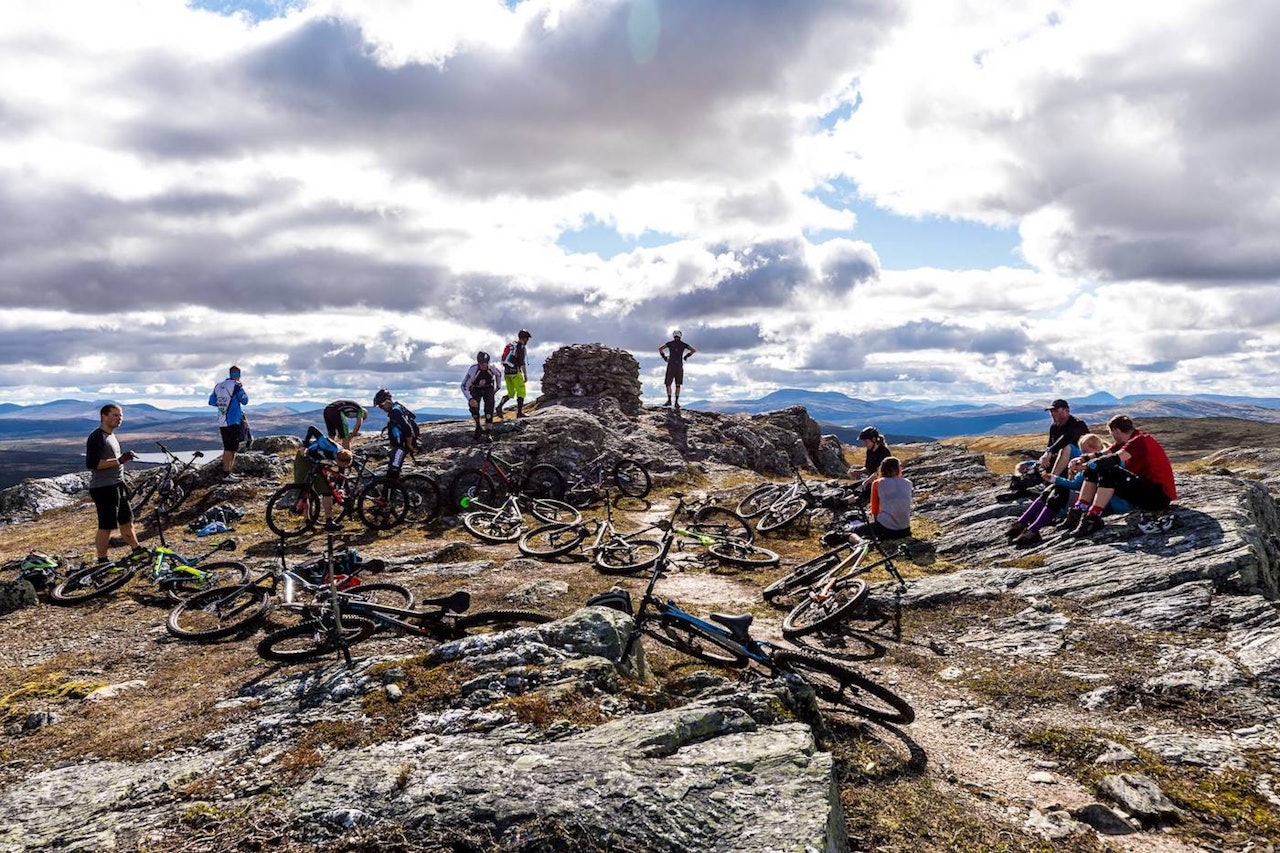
414 441
509 354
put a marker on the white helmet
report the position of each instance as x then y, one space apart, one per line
676 333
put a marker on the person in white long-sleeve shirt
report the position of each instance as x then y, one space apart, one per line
478 386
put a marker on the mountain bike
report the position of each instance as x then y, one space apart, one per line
505 522
335 624
170 484
775 505
496 478
831 586
228 610
178 577
726 641
628 476
725 534
294 509
611 551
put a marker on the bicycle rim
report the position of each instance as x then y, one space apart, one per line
386 594
758 500
382 505
814 614
218 613
837 684
91 582
493 621
472 484
312 639
292 510
623 556
551 540
685 638
493 527
722 523
172 494
424 497
779 516
544 481
802 575
632 478
554 512
187 581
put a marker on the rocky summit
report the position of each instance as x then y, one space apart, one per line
1114 693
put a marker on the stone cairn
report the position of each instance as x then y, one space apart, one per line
592 370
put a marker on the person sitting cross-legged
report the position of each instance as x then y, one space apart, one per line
1135 467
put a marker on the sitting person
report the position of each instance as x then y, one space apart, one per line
320 450
1135 468
877 452
890 505
1025 532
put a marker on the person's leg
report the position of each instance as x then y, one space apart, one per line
517 385
488 415
677 401
474 405
124 517
230 441
102 543
105 510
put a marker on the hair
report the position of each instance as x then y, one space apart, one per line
108 408
343 457
1093 440
890 467
1124 423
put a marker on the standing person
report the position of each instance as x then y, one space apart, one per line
229 395
674 352
342 420
1064 437
402 431
1135 467
890 504
479 386
515 373
110 497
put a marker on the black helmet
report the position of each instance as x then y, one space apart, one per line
482 357
381 397
868 432
523 333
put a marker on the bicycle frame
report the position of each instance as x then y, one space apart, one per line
188 566
851 566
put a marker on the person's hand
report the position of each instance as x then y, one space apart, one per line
1044 460
664 358
127 456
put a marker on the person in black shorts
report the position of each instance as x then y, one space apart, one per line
107 488
674 352
478 386
342 420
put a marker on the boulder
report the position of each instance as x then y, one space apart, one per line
591 370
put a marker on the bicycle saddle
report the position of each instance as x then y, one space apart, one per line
455 602
739 626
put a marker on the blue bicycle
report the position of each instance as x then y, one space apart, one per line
726 641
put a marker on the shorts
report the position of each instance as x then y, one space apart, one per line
485 395
1143 494
335 424
112 504
231 436
675 373
515 386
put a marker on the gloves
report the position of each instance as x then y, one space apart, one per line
664 358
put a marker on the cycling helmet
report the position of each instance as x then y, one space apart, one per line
482 357
868 432
1156 522
1027 468
523 333
381 397
676 333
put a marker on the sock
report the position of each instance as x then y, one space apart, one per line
1082 506
1095 510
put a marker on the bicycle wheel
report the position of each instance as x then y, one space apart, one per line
741 554
181 582
493 621
620 556
554 511
722 523
813 613
837 684
544 481
311 639
802 575
493 527
292 510
781 515
758 500
382 504
631 477
173 493
684 637
93 581
220 612
551 540
139 497
424 497
473 484
388 594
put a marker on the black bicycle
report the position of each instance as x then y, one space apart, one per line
495 478
170 484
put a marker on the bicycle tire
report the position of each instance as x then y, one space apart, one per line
424 497
308 640
812 615
632 478
758 500
218 613
292 510
554 511
781 515
382 505
802 575
380 592
173 493
837 684
495 528
142 495
544 481
92 582
473 484
493 621
623 556
720 522
551 540
741 554
180 585
683 637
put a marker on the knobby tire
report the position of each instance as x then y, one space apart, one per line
382 504
474 484
722 523
813 614
621 556
837 684
779 516
181 585
292 510
92 582
632 478
758 500
493 621
495 528
683 637
218 613
544 481
551 540
741 554
309 640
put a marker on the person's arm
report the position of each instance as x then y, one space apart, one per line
242 395
689 350
466 382
875 498
662 351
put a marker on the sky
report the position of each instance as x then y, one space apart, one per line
1002 201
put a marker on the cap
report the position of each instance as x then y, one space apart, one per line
1059 404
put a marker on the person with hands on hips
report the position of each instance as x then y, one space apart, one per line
674 352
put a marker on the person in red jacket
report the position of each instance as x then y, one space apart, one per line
1135 467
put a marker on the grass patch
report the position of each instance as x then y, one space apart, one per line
53 688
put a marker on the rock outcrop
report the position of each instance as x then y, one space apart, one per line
592 370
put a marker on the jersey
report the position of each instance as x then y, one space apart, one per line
102 446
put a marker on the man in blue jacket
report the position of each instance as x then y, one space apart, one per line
229 395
